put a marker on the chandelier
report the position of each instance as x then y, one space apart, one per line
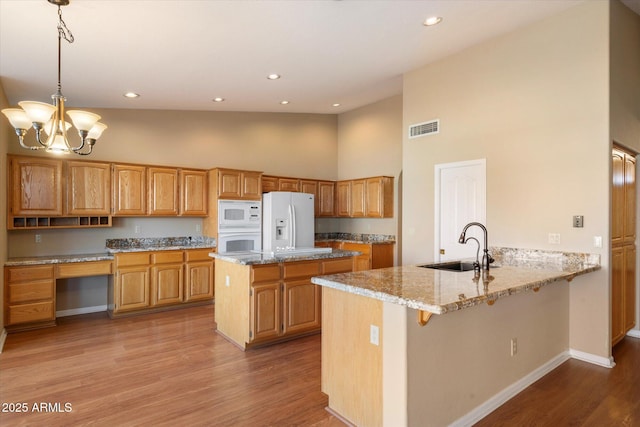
51 118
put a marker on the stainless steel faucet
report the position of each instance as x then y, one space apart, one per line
486 258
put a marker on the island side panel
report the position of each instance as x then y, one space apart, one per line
231 303
351 365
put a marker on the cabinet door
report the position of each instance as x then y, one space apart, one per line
266 319
88 188
163 191
358 198
129 190
167 284
343 198
301 304
361 262
252 185
325 198
629 227
36 186
629 288
289 184
617 197
199 283
132 288
193 193
617 294
269 183
229 184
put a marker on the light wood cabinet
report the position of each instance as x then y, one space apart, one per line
623 249
193 192
343 198
379 197
369 197
167 278
289 184
373 255
29 297
325 198
131 290
238 184
357 198
282 304
129 190
88 188
162 191
35 186
199 272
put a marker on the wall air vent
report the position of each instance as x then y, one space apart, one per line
426 128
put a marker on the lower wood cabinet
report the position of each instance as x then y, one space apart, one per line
282 302
372 255
30 297
151 280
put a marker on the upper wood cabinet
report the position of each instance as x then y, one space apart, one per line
289 184
238 184
193 192
343 198
358 192
162 191
35 186
129 190
379 197
325 198
269 183
88 188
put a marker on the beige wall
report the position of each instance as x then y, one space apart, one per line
535 105
5 136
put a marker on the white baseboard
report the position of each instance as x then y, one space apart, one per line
635 333
499 399
81 310
3 337
607 362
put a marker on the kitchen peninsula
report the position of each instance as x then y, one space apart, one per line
382 320
264 298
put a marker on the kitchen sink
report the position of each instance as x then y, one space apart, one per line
450 266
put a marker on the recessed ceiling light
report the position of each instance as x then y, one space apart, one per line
218 99
336 105
432 20
131 95
284 102
273 76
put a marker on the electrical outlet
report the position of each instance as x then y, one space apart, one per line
137 229
514 346
554 238
198 228
38 238
374 335
597 241
226 281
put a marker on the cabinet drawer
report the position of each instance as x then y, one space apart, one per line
83 269
21 274
136 258
30 291
34 312
167 257
301 269
198 254
341 265
265 273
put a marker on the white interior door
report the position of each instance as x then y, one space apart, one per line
460 199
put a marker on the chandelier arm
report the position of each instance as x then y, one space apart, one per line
38 128
21 133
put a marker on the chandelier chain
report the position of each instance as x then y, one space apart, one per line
63 30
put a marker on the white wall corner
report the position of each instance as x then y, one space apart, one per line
607 362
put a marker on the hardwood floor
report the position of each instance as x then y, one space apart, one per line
168 368
579 394
172 369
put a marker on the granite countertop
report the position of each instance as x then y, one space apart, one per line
377 239
57 259
251 258
159 244
440 291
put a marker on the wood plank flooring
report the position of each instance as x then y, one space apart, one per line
172 369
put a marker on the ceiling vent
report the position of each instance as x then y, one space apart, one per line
426 128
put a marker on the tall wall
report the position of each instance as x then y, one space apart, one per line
535 104
5 136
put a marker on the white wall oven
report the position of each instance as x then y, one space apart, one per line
239 226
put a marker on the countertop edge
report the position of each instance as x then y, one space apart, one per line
258 259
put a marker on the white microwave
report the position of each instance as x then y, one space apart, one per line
239 215
239 242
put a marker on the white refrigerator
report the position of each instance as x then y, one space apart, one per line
288 222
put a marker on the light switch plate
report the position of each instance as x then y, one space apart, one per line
578 221
374 335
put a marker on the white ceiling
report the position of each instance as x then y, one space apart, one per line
181 54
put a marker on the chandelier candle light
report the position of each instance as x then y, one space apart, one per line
50 118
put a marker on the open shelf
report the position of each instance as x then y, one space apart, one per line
28 222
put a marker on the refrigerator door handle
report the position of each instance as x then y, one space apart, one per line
294 239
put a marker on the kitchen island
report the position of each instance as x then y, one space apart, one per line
378 329
262 298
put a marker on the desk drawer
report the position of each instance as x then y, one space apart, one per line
29 273
83 269
34 312
30 291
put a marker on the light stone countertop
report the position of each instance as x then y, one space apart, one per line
57 259
440 291
251 258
